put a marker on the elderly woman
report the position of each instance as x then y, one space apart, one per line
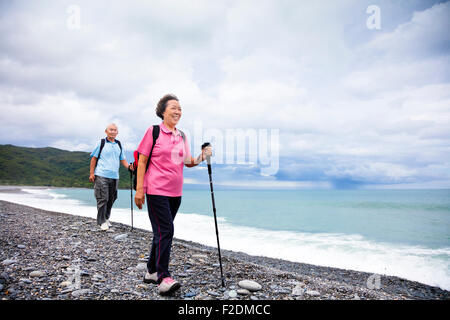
162 185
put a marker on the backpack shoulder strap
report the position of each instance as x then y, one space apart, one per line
102 144
155 135
120 145
182 135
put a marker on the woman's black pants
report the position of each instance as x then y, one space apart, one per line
162 211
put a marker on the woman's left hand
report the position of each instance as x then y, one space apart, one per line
206 152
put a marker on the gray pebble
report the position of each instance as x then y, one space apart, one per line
69 289
243 292
121 237
232 293
298 290
97 277
37 274
283 291
84 273
312 293
213 293
250 285
27 269
12 291
27 281
78 293
7 262
141 267
142 286
191 294
65 284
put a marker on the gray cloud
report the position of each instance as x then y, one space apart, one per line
354 106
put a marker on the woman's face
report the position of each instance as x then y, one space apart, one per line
172 114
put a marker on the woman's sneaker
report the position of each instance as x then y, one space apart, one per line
168 285
151 277
108 223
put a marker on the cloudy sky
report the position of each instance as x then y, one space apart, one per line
354 98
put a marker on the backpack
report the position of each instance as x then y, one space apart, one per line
102 144
155 135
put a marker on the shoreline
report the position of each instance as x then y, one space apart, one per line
40 250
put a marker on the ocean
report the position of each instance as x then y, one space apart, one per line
404 233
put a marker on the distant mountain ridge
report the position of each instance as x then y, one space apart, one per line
48 167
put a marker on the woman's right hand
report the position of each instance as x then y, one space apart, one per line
139 199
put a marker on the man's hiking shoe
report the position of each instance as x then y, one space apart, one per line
168 286
104 226
151 278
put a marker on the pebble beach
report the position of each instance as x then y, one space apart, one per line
55 256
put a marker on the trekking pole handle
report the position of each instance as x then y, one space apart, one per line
208 158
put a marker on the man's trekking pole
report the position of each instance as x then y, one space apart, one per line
208 159
131 197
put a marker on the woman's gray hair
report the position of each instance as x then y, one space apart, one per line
162 104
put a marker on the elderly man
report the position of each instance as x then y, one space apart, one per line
104 172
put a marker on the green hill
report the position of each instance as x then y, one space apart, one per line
48 167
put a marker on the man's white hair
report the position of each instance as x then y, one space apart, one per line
111 124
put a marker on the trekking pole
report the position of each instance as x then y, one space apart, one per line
208 159
131 197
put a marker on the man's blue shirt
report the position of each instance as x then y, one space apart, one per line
109 162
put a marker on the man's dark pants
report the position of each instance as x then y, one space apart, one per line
105 190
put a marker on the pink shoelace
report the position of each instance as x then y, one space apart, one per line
168 280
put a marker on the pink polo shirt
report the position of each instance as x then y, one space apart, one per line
164 176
